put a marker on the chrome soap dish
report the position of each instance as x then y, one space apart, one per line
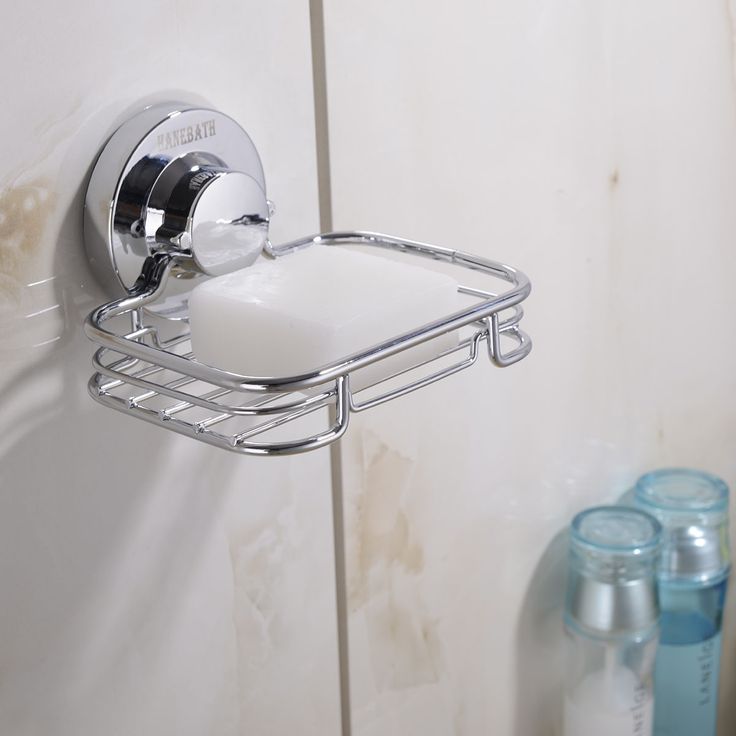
177 195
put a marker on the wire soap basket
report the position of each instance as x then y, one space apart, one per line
150 235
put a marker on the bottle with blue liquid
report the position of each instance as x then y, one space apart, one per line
692 507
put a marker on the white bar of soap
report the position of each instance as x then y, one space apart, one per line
296 313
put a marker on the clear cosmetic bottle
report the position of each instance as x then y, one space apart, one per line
692 507
611 622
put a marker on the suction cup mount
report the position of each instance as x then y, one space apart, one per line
175 179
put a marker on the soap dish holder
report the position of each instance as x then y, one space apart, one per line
151 235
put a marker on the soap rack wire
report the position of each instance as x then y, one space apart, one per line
145 372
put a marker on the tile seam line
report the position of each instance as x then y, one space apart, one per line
324 189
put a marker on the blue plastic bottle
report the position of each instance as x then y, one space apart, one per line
692 507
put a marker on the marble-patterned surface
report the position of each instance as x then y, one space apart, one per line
150 585
594 146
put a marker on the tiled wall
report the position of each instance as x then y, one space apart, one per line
150 585
593 145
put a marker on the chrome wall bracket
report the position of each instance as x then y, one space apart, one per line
177 195
179 180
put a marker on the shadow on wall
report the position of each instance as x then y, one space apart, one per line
85 567
540 645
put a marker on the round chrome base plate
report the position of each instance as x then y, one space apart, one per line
121 183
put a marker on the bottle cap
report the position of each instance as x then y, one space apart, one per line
611 588
692 507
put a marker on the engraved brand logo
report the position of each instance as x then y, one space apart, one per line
199 179
187 134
